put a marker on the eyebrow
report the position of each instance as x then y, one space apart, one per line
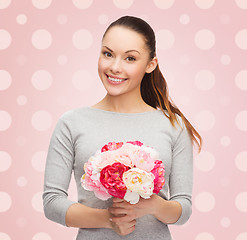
125 52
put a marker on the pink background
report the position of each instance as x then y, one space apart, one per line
48 65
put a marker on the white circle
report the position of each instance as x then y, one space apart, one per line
62 59
82 79
41 236
21 100
5 120
41 39
205 120
21 60
4 4
204 39
241 161
241 80
37 202
184 19
225 222
39 160
241 236
241 4
41 80
204 236
21 19
205 80
241 39
5 201
41 4
4 236
5 79
5 39
225 60
184 59
225 141
204 202
202 4
241 120
41 120
82 4
82 39
205 161
103 19
163 4
5 161
240 201
62 19
21 181
123 4
165 39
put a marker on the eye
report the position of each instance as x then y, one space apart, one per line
107 54
130 59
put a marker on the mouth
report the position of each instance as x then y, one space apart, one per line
115 80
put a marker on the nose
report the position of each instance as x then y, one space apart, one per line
116 66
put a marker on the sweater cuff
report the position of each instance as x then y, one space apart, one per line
56 210
186 211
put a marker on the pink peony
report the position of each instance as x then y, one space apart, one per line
158 171
138 143
91 181
111 178
111 146
143 160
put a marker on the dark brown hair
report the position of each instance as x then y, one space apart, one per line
154 88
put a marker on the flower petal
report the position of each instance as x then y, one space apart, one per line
132 197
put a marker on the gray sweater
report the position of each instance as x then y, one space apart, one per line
79 133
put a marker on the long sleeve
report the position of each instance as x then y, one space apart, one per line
59 167
181 177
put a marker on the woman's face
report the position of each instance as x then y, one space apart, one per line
123 61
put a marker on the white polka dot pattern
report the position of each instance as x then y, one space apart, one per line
48 65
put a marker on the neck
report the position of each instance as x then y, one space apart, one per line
124 104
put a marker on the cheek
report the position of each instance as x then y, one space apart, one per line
138 71
102 64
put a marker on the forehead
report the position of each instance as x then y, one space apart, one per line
123 38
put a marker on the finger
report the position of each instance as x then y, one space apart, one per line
118 211
115 200
123 219
122 204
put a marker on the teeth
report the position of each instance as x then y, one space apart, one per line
115 79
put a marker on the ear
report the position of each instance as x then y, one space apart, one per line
152 65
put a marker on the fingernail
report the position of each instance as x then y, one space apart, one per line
110 219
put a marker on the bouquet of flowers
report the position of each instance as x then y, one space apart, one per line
124 170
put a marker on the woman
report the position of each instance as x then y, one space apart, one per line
136 107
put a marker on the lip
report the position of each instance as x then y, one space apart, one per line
115 83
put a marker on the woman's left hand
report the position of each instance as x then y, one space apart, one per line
132 211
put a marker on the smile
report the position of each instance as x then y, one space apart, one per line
115 79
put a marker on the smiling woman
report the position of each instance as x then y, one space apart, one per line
136 107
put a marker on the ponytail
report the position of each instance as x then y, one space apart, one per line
154 92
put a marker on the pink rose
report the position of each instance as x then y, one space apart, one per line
111 146
158 171
111 177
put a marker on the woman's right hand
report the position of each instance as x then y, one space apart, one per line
122 228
